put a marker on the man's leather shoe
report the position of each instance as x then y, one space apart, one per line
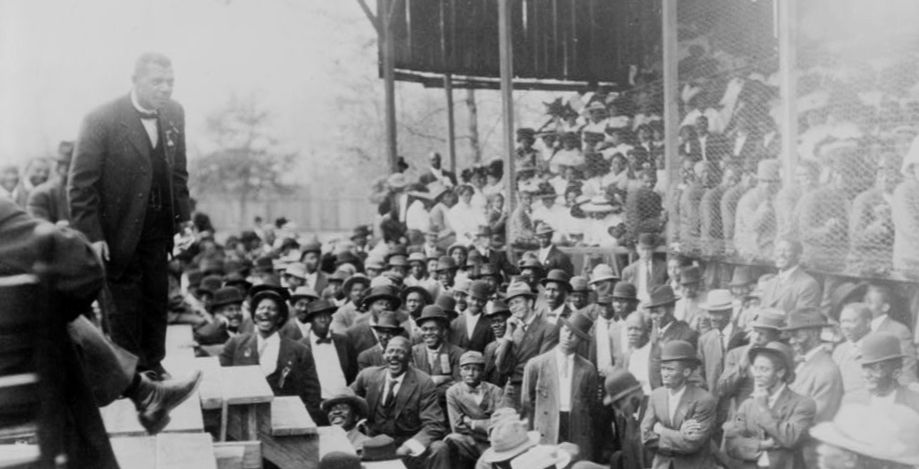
157 399
158 373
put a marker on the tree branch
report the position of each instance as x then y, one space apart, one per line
370 16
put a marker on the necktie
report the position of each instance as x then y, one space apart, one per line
648 277
389 395
323 340
146 115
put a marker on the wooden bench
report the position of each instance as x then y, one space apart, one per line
290 438
120 418
165 451
179 336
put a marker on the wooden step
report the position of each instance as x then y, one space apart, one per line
179 336
120 418
18 456
165 451
289 417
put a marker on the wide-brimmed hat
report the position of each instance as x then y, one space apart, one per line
647 240
602 272
320 306
805 318
518 289
346 394
270 282
558 276
579 324
425 294
783 351
340 275
226 296
396 181
509 438
690 274
472 357
625 291
619 383
433 313
304 292
209 284
718 300
386 292
579 283
598 204
283 311
498 307
346 287
768 318
417 257
679 350
662 295
379 448
480 290
887 433
741 277
880 346
445 263
543 457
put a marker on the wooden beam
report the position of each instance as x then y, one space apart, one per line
671 97
389 86
506 56
788 86
451 130
370 16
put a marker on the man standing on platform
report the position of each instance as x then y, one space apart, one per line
128 193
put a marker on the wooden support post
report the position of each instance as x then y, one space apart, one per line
473 125
389 85
671 97
506 55
451 131
788 126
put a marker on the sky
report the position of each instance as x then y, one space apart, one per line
59 59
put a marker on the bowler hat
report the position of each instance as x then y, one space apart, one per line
280 300
346 394
446 303
193 277
579 324
647 240
602 272
769 318
781 350
679 350
518 289
484 231
270 282
472 357
383 292
346 257
226 296
397 260
579 284
425 294
625 291
559 276
264 264
379 448
445 263
718 300
236 279
690 274
356 278
340 460
805 318
311 246
304 292
320 306
619 383
210 284
662 295
880 346
498 307
387 320
741 277
544 229
480 290
433 313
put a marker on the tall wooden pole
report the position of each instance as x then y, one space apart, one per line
473 125
506 56
451 131
389 84
788 127
671 96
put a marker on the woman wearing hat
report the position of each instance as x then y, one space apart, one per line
287 365
768 428
601 217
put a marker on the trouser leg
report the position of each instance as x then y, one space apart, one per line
125 327
108 368
155 288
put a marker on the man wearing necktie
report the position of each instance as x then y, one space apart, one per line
129 194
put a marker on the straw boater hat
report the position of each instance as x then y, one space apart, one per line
718 300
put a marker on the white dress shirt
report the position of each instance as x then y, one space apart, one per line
673 401
328 367
604 352
641 280
639 365
268 350
563 361
149 123
471 321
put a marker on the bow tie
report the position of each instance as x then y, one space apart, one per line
146 115
321 340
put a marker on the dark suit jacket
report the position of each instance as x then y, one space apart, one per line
346 357
500 261
361 336
111 175
658 273
672 449
290 330
499 362
539 338
786 423
481 334
713 357
49 201
215 332
370 357
678 330
295 374
453 353
415 414
558 260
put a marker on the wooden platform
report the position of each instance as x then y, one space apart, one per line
289 417
120 418
165 451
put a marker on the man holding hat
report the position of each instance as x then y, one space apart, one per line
471 331
554 289
736 381
817 376
769 428
624 396
646 272
559 394
722 337
531 334
548 254
434 356
345 409
335 362
754 223
680 418
665 326
882 363
470 405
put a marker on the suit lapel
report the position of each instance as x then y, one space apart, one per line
135 130
405 391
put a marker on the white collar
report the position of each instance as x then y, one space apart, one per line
271 339
876 322
398 379
137 105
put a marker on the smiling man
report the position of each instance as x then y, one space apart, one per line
128 193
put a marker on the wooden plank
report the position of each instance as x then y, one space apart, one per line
211 382
252 452
333 438
391 464
245 385
229 456
289 417
135 452
16 456
120 418
165 451
179 336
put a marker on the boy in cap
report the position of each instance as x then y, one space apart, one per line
470 405
680 417
559 391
